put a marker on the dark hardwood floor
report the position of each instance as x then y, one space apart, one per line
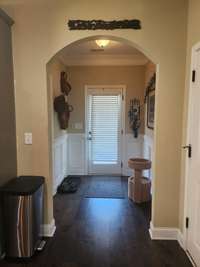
103 232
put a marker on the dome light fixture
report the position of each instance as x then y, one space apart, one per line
102 43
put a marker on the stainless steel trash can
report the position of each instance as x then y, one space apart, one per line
23 215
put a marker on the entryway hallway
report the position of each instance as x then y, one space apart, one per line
103 232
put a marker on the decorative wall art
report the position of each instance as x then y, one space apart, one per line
134 24
150 109
134 116
64 84
61 106
150 87
150 100
63 110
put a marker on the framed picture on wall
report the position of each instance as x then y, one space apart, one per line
150 109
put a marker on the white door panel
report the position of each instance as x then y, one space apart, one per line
193 240
104 118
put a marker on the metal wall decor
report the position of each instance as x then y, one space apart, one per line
61 106
64 84
134 24
63 110
134 116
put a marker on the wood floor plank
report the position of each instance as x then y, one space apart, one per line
98 232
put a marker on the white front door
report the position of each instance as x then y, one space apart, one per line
104 130
193 173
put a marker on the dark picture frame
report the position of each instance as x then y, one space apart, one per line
151 109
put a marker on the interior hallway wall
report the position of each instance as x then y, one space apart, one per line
8 157
79 76
54 68
41 31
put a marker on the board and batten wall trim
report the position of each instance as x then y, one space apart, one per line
76 154
60 159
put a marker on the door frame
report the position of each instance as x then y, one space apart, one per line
195 48
123 106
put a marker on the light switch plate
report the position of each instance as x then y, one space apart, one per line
28 138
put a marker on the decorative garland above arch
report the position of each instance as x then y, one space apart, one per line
134 24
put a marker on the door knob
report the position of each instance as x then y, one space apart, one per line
89 136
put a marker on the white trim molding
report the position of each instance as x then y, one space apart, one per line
181 240
163 233
132 148
167 233
48 230
59 160
76 154
148 153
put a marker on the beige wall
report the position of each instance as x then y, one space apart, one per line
41 31
150 69
8 155
54 68
193 38
79 76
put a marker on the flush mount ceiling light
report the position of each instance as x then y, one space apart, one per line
102 43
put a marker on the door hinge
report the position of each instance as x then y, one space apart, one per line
121 164
122 97
122 131
187 222
189 148
193 76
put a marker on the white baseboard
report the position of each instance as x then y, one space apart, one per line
48 230
163 233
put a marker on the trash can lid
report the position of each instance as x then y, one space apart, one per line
23 185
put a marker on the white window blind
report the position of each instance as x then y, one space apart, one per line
105 128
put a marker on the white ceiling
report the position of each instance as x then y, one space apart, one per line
89 53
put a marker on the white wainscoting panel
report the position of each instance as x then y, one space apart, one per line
59 160
77 159
148 153
132 148
76 154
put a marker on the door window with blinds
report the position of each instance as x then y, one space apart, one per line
104 113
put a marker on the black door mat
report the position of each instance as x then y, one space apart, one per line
70 184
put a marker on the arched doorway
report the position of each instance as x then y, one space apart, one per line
111 38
